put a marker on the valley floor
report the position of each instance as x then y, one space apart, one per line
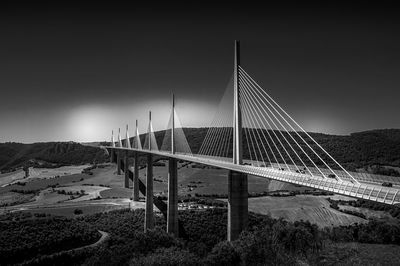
103 191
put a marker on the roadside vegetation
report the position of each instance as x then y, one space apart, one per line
394 211
32 238
266 242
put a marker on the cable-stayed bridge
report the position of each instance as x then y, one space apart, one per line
251 134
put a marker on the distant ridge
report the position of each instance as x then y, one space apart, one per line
357 150
14 155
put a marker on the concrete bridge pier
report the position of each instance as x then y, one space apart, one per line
237 204
149 215
172 213
135 180
112 155
118 162
126 170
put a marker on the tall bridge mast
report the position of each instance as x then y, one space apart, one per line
237 182
237 114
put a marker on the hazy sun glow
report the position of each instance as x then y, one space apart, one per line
85 123
95 122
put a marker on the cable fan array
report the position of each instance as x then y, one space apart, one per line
181 144
270 136
275 139
219 136
150 142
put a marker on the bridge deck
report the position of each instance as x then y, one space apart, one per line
367 191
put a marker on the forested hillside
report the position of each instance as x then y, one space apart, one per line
362 149
48 153
266 241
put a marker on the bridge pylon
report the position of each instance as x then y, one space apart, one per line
127 141
237 113
135 180
126 169
149 212
119 153
126 158
237 182
172 211
112 151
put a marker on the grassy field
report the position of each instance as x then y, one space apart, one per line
39 184
50 196
302 207
11 177
116 193
12 198
68 211
106 176
40 173
91 192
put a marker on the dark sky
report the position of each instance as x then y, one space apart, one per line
73 72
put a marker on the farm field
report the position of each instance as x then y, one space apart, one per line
106 184
39 184
12 198
106 176
40 173
49 196
67 208
116 193
68 211
302 207
91 192
8 178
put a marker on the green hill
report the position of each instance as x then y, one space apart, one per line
48 154
357 150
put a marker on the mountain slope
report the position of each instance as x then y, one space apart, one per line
16 154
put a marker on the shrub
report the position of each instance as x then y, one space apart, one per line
78 211
172 256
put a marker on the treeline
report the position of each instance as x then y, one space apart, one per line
334 205
376 232
24 240
393 210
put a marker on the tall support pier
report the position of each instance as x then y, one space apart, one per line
135 195
237 182
135 180
119 153
149 214
126 169
172 212
126 159
112 152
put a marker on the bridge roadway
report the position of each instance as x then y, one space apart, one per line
366 191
